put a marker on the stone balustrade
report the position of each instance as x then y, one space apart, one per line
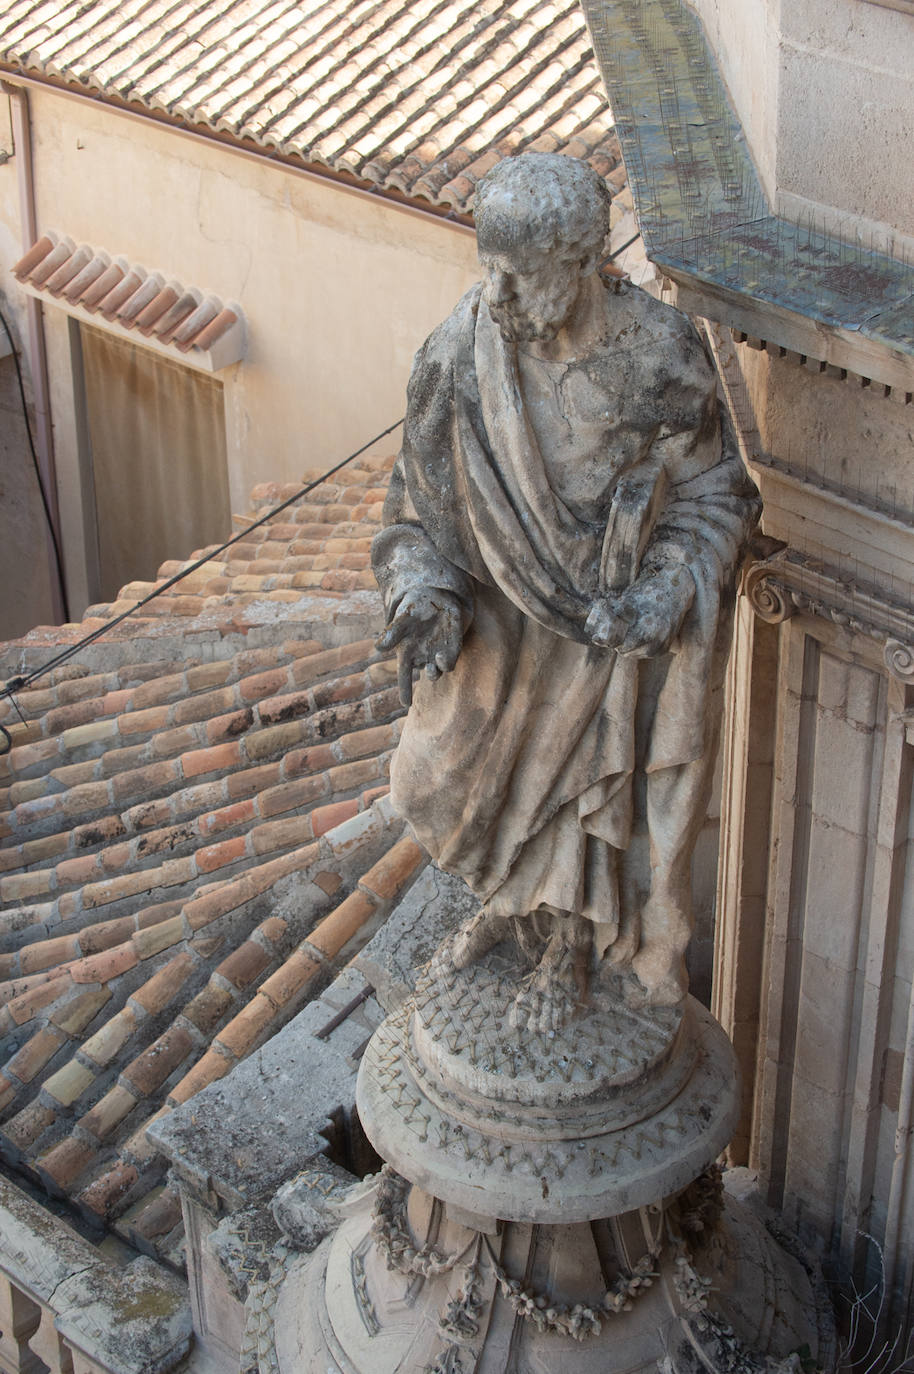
68 1309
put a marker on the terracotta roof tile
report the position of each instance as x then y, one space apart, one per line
403 97
157 805
132 298
105 1192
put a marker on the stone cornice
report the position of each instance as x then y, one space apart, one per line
788 583
705 219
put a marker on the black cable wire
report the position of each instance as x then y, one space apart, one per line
616 251
17 684
44 496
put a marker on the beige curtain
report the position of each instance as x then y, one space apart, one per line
157 434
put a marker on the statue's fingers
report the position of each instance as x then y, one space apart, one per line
432 672
645 645
405 675
446 656
636 639
394 633
449 622
598 628
612 633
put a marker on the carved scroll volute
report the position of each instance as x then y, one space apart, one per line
899 659
770 600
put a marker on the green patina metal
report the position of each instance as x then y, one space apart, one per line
702 210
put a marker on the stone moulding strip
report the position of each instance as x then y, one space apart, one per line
782 586
704 215
130 1319
187 325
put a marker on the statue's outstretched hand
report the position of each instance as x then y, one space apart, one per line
645 619
427 632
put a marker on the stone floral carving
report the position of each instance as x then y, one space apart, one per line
562 533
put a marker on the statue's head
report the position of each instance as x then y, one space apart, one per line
541 221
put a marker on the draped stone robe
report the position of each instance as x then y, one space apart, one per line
519 771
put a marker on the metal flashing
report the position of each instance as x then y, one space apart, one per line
705 218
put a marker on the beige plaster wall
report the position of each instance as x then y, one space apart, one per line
25 598
825 92
338 289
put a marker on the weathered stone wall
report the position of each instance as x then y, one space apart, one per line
824 91
815 954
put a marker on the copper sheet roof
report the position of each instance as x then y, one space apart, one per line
415 98
194 833
115 293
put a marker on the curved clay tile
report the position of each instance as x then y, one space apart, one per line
357 86
131 298
190 846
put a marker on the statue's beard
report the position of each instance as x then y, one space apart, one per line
521 328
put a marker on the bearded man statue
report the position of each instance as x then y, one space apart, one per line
561 543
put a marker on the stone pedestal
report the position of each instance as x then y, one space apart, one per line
549 1203
615 1110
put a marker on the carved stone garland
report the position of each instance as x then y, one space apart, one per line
418 1280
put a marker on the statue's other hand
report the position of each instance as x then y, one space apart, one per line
606 625
654 607
427 632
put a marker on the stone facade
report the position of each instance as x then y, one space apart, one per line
813 338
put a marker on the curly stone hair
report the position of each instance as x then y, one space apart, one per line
542 201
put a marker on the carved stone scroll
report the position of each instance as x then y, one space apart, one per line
780 587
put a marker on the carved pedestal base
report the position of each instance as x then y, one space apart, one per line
619 1108
550 1201
402 1288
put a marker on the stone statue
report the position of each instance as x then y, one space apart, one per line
563 532
562 536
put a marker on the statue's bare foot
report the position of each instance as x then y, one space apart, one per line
552 992
663 979
474 939
623 949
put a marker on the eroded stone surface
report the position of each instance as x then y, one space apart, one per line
134 1318
393 959
562 536
244 1136
568 1143
402 1288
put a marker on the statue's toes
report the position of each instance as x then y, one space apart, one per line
518 1016
477 937
442 963
634 993
469 943
664 982
562 1010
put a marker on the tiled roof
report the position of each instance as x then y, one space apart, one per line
112 292
417 99
194 833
